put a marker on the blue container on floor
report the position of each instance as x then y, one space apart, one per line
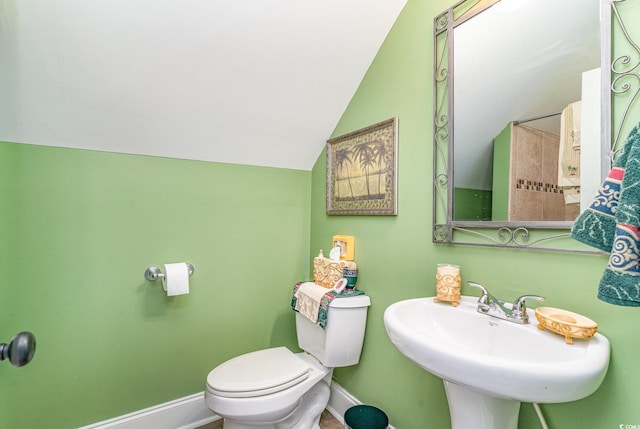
365 417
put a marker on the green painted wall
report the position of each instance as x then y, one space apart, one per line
397 259
78 229
471 204
630 10
501 165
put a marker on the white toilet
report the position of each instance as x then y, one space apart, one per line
278 389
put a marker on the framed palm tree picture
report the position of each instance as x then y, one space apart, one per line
361 171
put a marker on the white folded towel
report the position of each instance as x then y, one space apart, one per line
308 297
569 151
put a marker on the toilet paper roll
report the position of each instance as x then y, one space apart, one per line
176 279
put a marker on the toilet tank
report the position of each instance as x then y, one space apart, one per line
340 343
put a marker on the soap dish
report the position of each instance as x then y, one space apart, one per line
563 322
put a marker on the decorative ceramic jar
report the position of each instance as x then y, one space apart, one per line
448 284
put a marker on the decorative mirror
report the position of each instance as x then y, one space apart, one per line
522 118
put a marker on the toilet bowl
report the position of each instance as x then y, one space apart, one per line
278 389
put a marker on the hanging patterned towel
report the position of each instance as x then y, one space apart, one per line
612 224
323 307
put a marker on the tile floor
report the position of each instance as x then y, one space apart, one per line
327 421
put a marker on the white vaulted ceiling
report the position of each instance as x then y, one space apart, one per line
257 82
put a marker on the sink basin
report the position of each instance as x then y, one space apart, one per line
484 357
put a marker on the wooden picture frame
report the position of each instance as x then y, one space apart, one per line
362 170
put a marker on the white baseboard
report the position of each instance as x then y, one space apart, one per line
191 412
185 413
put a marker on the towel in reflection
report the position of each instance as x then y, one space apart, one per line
569 152
612 224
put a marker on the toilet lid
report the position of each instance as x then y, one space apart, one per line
257 373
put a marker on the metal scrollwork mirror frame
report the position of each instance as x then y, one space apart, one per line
622 82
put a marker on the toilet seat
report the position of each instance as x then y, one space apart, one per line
258 373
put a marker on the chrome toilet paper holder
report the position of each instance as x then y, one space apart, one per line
154 273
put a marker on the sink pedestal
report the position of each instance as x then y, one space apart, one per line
472 409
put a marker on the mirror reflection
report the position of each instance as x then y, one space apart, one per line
526 111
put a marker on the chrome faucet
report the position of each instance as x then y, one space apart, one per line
492 306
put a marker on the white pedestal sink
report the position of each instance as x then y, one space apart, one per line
489 366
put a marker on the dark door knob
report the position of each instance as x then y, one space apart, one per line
20 350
